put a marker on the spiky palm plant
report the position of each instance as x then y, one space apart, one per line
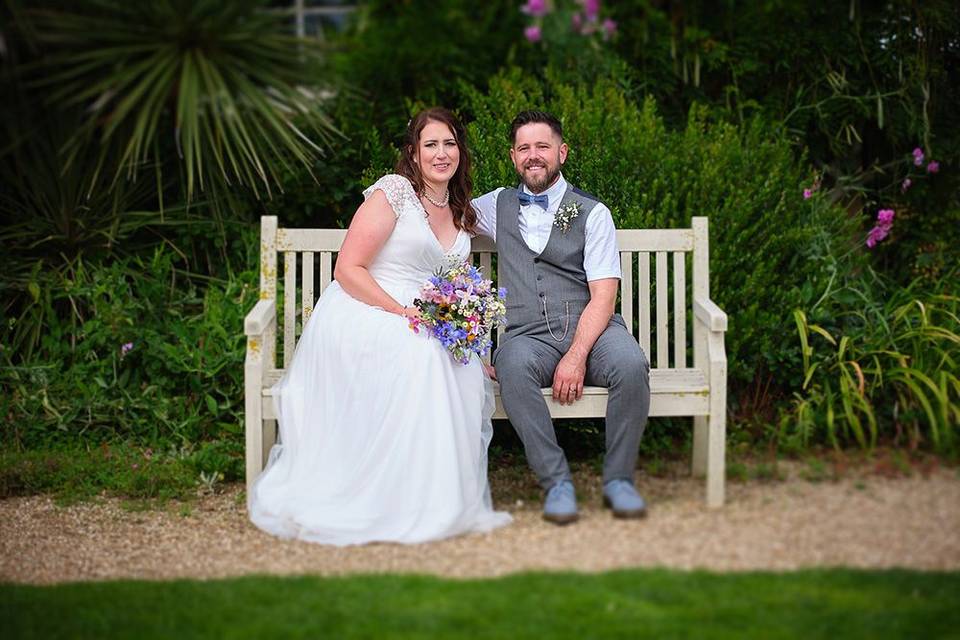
217 82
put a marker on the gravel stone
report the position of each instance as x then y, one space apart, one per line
863 522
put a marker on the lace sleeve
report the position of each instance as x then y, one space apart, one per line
397 189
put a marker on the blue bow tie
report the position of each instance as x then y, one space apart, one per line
526 198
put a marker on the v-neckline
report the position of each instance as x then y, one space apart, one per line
426 221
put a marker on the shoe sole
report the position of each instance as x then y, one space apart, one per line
631 514
561 519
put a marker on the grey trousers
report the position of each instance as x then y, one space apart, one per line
525 362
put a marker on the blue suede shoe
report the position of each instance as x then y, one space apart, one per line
623 499
560 506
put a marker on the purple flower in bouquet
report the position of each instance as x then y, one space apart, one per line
460 309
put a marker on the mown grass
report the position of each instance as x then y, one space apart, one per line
624 604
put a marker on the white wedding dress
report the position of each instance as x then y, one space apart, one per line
383 437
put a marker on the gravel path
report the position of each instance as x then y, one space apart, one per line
871 521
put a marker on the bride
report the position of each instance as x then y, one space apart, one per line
383 436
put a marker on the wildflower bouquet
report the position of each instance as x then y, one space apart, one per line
460 309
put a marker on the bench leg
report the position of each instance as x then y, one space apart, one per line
269 439
700 446
709 455
253 424
716 461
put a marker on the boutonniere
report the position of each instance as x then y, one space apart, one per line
565 215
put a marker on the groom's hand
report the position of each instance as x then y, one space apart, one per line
568 379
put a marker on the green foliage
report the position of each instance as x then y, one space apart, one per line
568 40
623 604
746 179
76 473
888 366
856 86
176 97
178 381
419 51
326 194
128 127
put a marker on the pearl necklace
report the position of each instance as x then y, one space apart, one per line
442 203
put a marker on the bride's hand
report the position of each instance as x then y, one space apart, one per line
490 371
410 312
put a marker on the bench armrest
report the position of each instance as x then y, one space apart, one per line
263 314
710 314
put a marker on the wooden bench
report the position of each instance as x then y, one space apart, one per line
677 388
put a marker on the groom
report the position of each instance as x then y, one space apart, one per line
558 258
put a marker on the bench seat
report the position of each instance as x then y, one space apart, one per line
673 392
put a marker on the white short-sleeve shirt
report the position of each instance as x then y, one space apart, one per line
601 257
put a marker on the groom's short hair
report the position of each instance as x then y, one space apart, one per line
531 116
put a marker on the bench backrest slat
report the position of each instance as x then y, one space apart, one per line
306 288
643 259
289 305
642 301
663 337
326 270
679 310
626 289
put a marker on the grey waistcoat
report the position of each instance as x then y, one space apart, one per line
551 286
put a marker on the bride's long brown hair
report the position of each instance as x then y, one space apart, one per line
461 184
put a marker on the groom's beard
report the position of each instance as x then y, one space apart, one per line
539 186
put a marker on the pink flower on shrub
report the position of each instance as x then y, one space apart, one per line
577 22
885 217
609 28
126 348
918 156
882 229
535 8
532 33
933 167
591 8
906 184
807 193
876 235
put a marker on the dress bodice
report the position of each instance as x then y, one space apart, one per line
412 253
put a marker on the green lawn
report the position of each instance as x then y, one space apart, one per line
623 604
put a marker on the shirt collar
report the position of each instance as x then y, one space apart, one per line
554 193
